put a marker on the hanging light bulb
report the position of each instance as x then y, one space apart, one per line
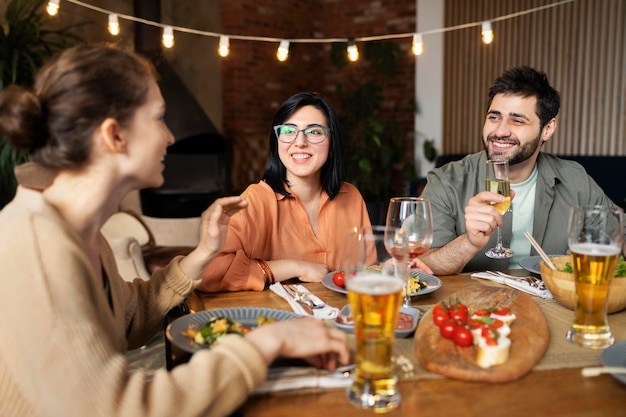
487 33
114 24
283 50
224 48
53 7
168 36
353 51
418 44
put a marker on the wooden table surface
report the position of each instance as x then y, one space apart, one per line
561 392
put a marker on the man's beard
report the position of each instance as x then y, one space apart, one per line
521 155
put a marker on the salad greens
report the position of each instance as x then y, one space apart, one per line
620 268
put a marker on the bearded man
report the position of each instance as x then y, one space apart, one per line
521 116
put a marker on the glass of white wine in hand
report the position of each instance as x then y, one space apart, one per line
497 181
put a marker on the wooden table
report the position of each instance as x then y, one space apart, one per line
561 392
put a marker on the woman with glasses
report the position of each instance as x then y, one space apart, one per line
298 213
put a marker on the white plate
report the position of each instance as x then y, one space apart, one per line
531 264
400 333
244 315
432 283
615 355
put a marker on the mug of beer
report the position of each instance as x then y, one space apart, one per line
375 283
595 239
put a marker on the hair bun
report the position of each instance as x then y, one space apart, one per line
21 118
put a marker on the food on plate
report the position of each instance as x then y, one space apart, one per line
218 327
503 314
416 284
487 329
493 349
620 268
339 279
405 321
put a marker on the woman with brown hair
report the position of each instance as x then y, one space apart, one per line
95 119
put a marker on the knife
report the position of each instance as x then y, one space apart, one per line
298 299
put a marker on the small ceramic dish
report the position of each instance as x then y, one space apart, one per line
412 312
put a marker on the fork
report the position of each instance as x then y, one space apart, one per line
313 302
532 281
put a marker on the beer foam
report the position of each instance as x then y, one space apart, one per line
595 249
375 284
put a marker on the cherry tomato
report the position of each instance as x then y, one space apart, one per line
463 336
490 336
440 314
339 279
501 311
459 312
447 328
483 313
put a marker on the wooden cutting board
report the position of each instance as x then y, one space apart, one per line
529 336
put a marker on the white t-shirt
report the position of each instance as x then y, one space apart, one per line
523 207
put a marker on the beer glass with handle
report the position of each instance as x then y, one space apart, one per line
414 216
375 295
497 181
595 240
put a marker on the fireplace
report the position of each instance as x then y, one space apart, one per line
197 165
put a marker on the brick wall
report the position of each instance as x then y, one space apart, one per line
255 83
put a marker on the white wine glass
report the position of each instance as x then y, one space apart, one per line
414 216
497 181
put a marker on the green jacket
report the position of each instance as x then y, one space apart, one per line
560 185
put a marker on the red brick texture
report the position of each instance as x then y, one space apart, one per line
255 83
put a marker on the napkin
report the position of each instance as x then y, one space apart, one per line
518 285
325 313
293 378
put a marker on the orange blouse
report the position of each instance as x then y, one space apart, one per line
275 227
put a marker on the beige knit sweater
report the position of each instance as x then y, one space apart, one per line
62 345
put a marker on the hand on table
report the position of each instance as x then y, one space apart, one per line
310 339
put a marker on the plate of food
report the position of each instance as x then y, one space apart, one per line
615 355
200 330
407 321
421 283
510 340
531 264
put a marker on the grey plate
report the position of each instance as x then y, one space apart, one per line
531 264
244 315
615 355
433 283
400 333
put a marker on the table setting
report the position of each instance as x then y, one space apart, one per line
421 360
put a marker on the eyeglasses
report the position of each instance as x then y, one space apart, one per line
289 133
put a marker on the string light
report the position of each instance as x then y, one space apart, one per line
353 51
418 44
168 36
114 24
53 7
283 50
487 33
224 49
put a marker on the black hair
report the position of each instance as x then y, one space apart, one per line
529 82
332 172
